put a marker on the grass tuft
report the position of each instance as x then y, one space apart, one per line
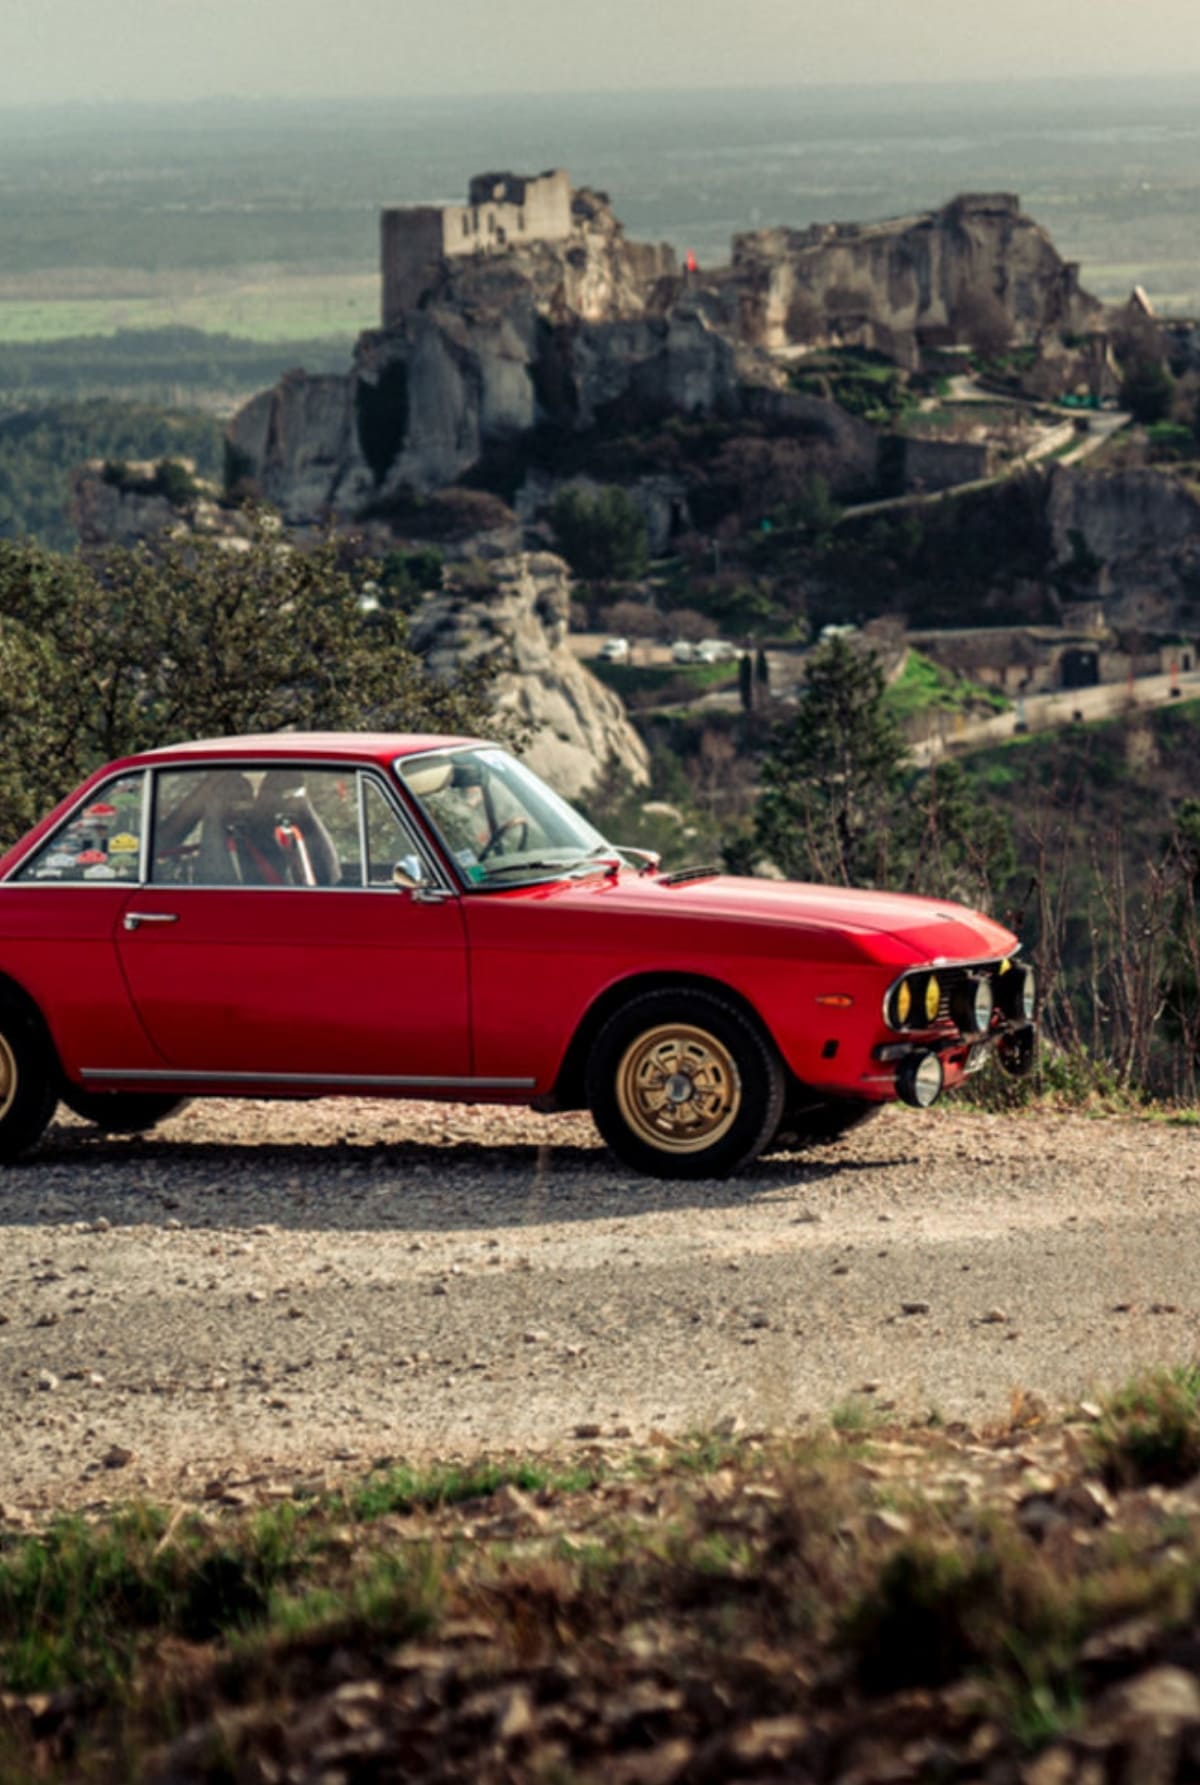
1149 1431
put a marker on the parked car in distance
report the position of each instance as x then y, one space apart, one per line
684 651
412 916
614 650
715 650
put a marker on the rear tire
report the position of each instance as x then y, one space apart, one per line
28 1079
120 1112
683 1084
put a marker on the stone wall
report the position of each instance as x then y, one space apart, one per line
1141 531
940 464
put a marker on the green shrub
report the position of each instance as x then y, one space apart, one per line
601 536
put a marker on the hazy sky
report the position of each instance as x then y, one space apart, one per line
184 49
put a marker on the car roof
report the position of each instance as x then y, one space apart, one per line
361 746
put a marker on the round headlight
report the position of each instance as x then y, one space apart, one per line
903 1004
1028 993
982 1004
919 1080
1018 992
933 998
971 1005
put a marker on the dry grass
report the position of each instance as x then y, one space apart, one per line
713 1609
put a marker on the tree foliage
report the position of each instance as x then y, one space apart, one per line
97 660
1147 390
841 803
833 773
602 535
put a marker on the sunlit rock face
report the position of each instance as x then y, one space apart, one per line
978 266
580 734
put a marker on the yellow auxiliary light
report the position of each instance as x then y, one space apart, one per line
903 1002
933 998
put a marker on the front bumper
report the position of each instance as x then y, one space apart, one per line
1012 1040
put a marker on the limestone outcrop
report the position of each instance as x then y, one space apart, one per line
148 499
580 731
978 267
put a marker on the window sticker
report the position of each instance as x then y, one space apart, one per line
99 842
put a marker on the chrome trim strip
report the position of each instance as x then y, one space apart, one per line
144 857
364 866
347 1081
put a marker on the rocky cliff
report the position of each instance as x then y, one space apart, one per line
580 731
978 267
483 348
476 369
1132 539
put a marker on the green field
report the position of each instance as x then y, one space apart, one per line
263 304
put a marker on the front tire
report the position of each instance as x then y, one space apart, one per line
28 1080
683 1084
120 1112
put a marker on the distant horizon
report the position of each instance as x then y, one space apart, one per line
913 83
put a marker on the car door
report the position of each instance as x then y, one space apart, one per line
273 943
59 912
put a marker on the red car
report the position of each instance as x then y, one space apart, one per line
421 916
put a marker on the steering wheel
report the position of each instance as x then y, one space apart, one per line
517 822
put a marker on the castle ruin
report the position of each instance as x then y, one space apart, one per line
977 268
503 211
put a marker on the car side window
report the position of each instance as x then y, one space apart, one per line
390 846
287 826
100 842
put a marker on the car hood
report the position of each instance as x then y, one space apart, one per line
934 929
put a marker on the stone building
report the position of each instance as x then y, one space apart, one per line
503 211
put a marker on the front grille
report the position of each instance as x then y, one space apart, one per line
949 978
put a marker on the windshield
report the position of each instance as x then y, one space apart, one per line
498 821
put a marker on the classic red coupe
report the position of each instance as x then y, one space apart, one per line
298 915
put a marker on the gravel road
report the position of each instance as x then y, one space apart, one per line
268 1292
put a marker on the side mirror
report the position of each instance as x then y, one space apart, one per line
648 860
408 873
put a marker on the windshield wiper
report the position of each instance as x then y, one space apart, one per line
580 864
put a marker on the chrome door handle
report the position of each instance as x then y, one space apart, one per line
133 918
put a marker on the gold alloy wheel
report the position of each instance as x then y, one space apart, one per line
678 1088
8 1077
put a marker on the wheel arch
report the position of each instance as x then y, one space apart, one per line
568 1092
13 992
